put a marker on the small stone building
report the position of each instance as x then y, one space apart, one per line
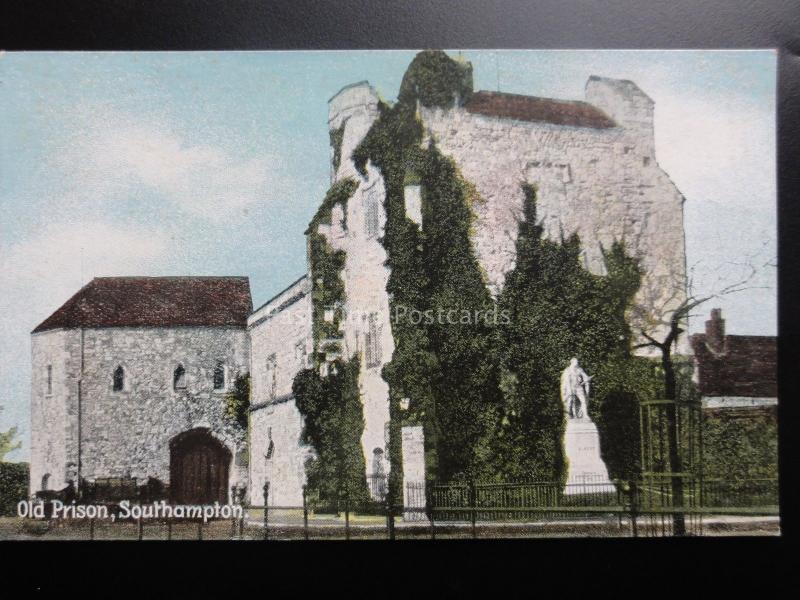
736 372
280 346
129 379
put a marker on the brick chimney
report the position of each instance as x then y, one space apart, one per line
715 331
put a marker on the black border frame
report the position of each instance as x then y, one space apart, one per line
455 567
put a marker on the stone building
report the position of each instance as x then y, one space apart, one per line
280 346
129 379
736 372
106 400
594 166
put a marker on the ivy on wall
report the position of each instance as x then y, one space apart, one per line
331 404
337 137
334 423
557 309
485 389
487 392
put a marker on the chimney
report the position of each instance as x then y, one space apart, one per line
715 331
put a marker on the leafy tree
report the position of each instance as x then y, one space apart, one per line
237 400
334 424
556 310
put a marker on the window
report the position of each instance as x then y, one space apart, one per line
646 161
371 214
179 378
45 482
119 379
372 347
219 376
49 379
271 376
271 447
300 352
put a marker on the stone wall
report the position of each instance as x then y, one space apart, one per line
127 433
365 274
280 341
53 424
603 184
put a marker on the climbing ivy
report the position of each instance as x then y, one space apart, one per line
446 371
326 268
337 136
334 423
486 391
330 404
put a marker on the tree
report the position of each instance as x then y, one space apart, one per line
237 401
6 442
555 310
661 330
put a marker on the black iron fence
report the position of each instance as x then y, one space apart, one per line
466 509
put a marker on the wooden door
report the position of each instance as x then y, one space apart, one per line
198 469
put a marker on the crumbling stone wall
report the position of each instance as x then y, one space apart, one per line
127 433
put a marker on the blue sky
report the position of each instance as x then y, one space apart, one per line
213 163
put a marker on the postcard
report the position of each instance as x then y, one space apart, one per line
305 295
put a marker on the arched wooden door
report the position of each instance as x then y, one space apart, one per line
198 468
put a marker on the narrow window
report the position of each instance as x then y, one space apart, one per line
219 376
179 378
45 482
646 161
372 342
371 214
119 379
49 379
271 379
271 447
300 353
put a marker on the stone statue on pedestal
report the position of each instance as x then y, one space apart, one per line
586 471
575 390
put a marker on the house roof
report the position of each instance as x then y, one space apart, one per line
740 366
546 110
155 302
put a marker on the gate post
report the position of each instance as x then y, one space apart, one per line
390 511
634 499
347 514
429 498
473 507
305 515
233 517
266 510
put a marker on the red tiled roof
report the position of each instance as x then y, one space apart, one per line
530 108
155 302
744 365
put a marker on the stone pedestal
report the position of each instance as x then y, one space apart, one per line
587 473
413 474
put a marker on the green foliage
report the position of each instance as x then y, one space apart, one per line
331 405
487 395
14 479
334 423
327 265
739 446
449 372
435 79
6 442
339 193
237 400
558 310
337 136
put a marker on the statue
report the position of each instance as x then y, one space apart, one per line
575 390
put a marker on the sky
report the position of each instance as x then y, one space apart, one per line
213 163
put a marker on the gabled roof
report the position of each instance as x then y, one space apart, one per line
742 366
155 302
546 110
